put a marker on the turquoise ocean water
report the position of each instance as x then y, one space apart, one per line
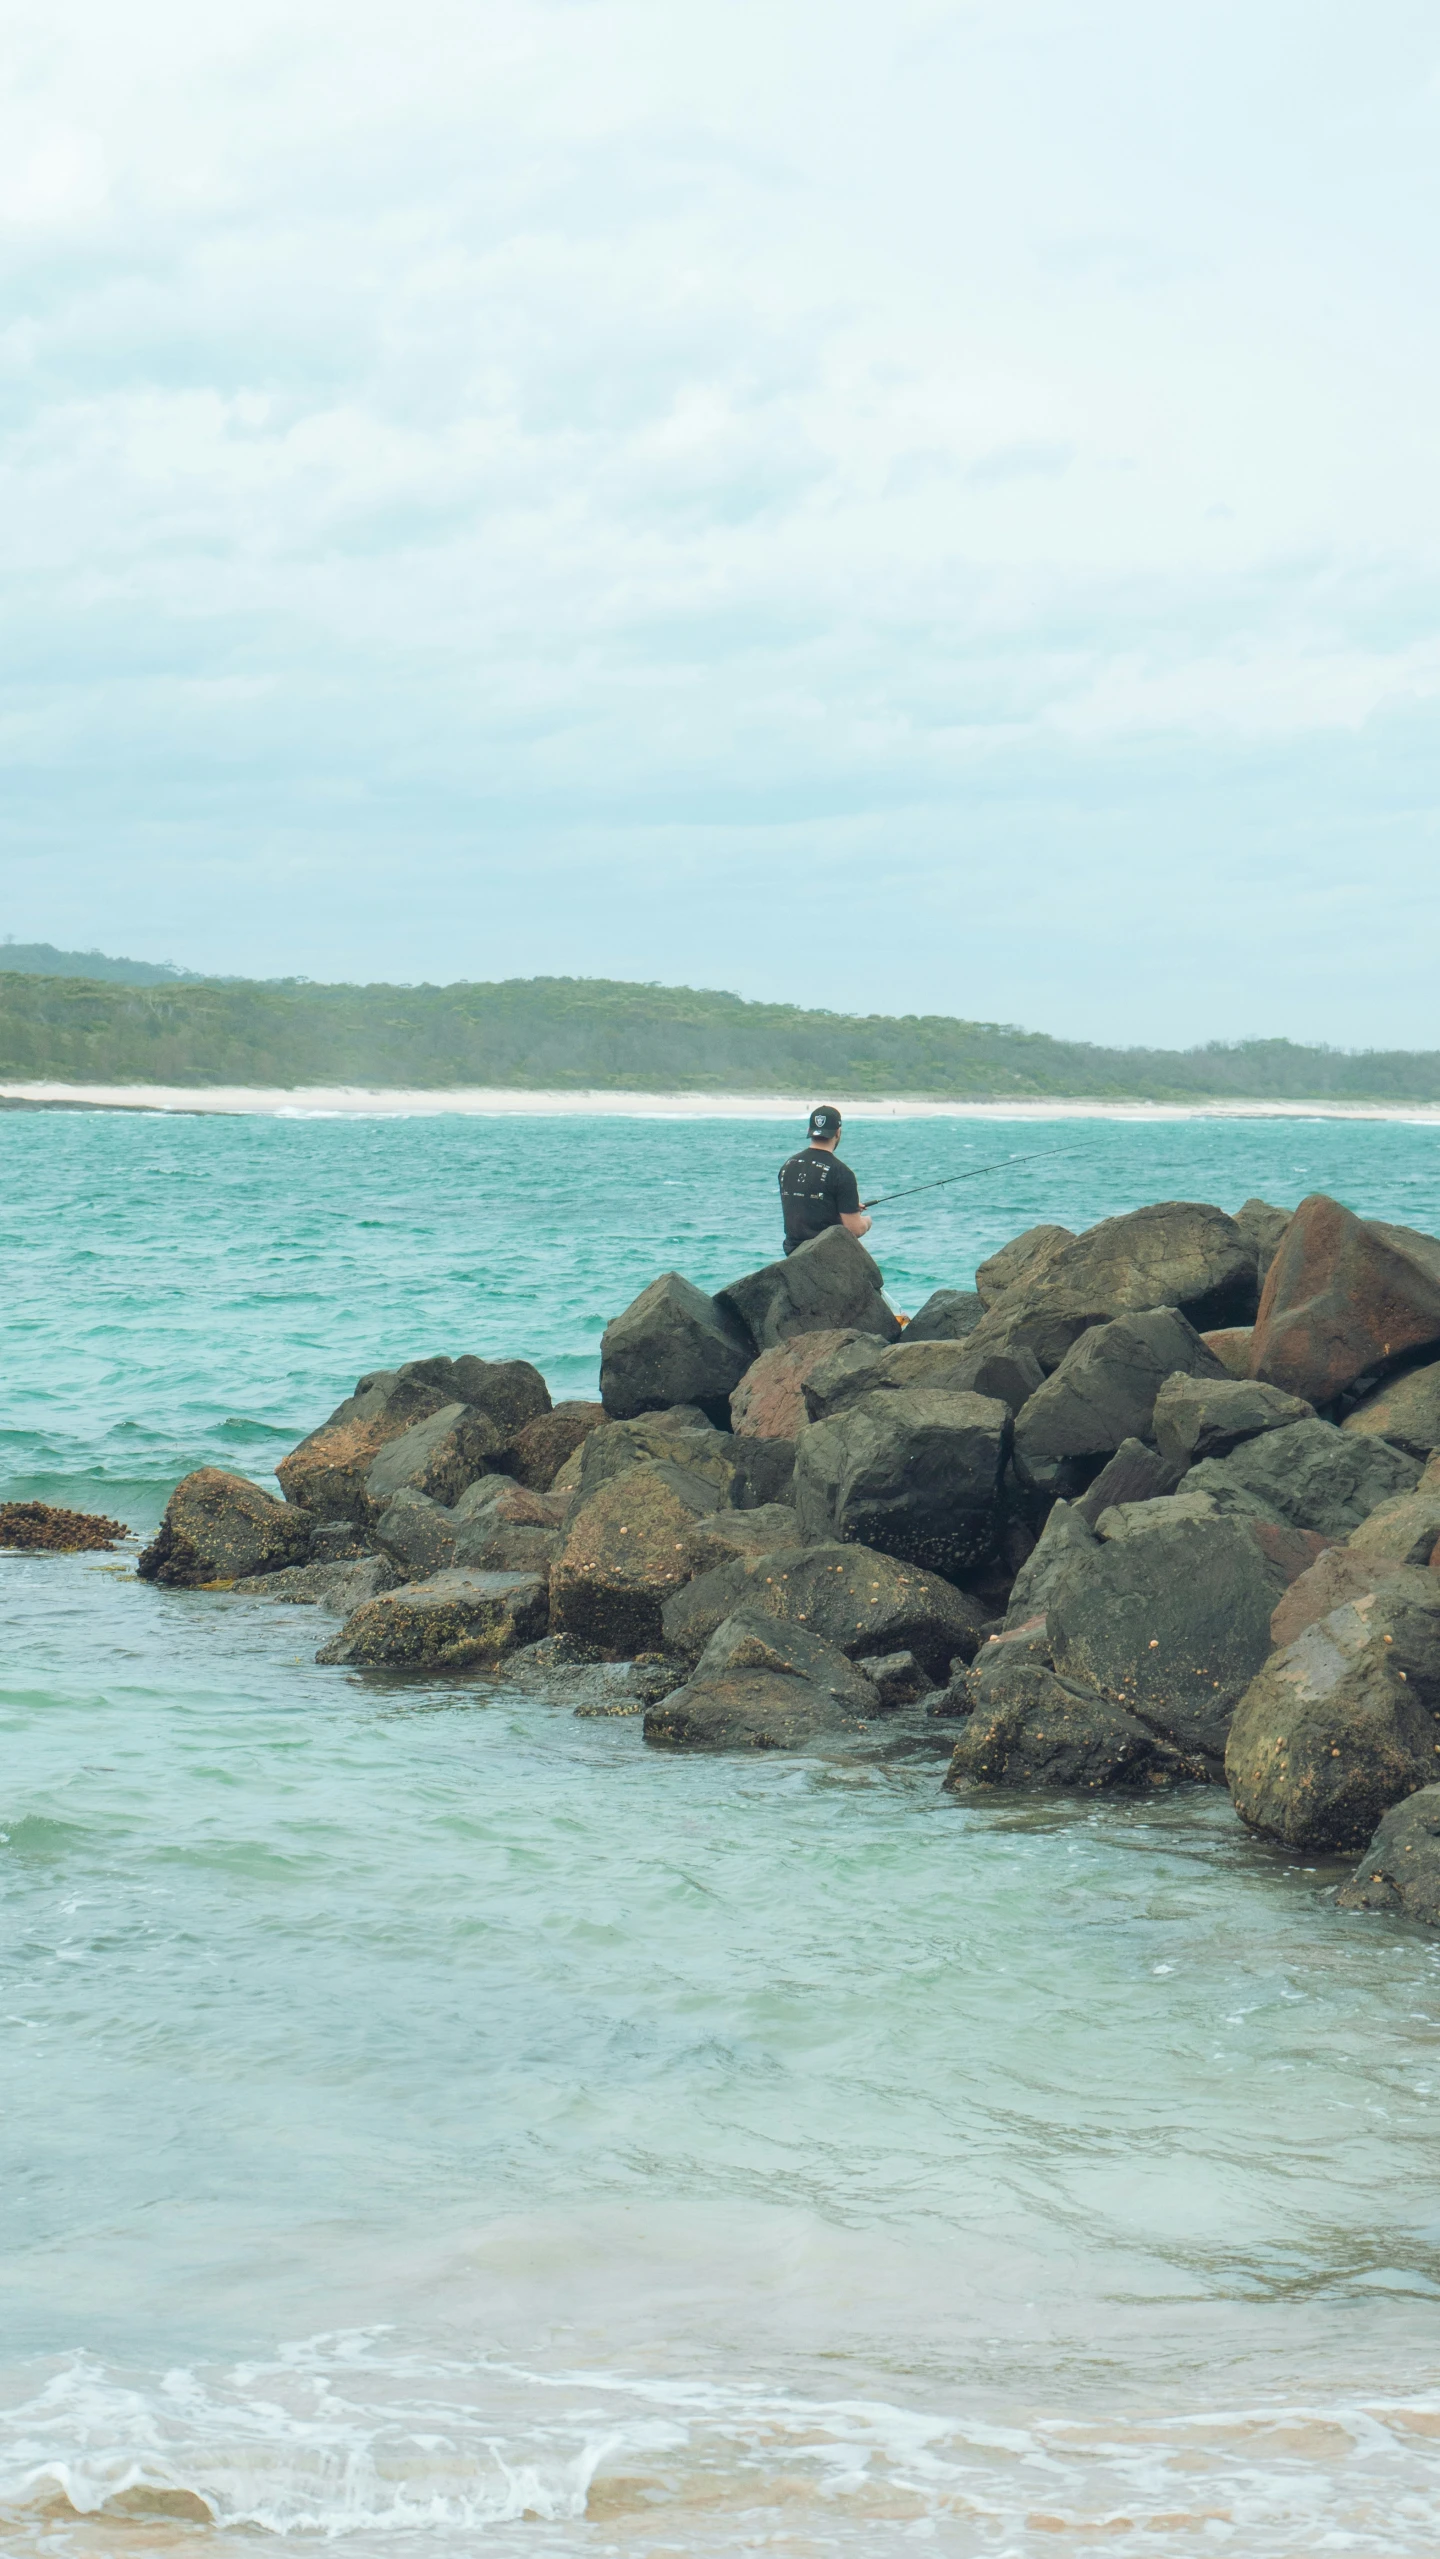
430 2120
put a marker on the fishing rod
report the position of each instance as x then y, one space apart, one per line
972 1173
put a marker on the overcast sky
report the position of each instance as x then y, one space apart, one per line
921 507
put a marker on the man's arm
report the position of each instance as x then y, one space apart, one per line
847 1201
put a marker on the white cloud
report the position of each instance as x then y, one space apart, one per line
752 467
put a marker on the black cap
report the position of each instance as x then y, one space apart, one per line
824 1120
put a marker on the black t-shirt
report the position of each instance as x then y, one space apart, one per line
816 1191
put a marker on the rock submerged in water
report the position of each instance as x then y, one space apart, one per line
1169 1619
761 1685
1345 1721
1400 1870
455 1621
624 1555
220 1528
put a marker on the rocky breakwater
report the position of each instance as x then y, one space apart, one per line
1154 1504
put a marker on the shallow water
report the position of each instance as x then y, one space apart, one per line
430 2118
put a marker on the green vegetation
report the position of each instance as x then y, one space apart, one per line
41 959
568 1033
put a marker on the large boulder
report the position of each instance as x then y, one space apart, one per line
911 1472
1342 1724
654 1440
859 1601
769 1402
1033 1729
1308 1473
1404 1410
1400 1870
672 1345
623 1556
1345 1295
448 1623
1024 1257
438 1456
220 1527
1104 1389
762 1685
947 1315
1169 1618
1207 1416
326 1473
828 1285
1180 1253
752 1641
540 1449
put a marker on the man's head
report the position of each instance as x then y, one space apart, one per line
825 1125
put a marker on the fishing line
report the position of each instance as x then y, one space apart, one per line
972 1173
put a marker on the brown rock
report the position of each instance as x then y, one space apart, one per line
1345 1294
1231 1347
769 1402
220 1528
326 1473
623 1556
1334 1578
542 1447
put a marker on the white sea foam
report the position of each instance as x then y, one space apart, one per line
363 2439
503 1102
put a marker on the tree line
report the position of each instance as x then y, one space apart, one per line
572 1033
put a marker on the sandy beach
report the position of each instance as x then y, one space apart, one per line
497 1102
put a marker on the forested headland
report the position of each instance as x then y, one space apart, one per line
574 1033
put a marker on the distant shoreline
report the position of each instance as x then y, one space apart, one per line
238 1101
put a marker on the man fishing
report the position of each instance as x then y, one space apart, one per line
816 1190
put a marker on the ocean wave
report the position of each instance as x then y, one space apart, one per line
356 2438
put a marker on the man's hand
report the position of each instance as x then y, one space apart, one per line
854 1222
